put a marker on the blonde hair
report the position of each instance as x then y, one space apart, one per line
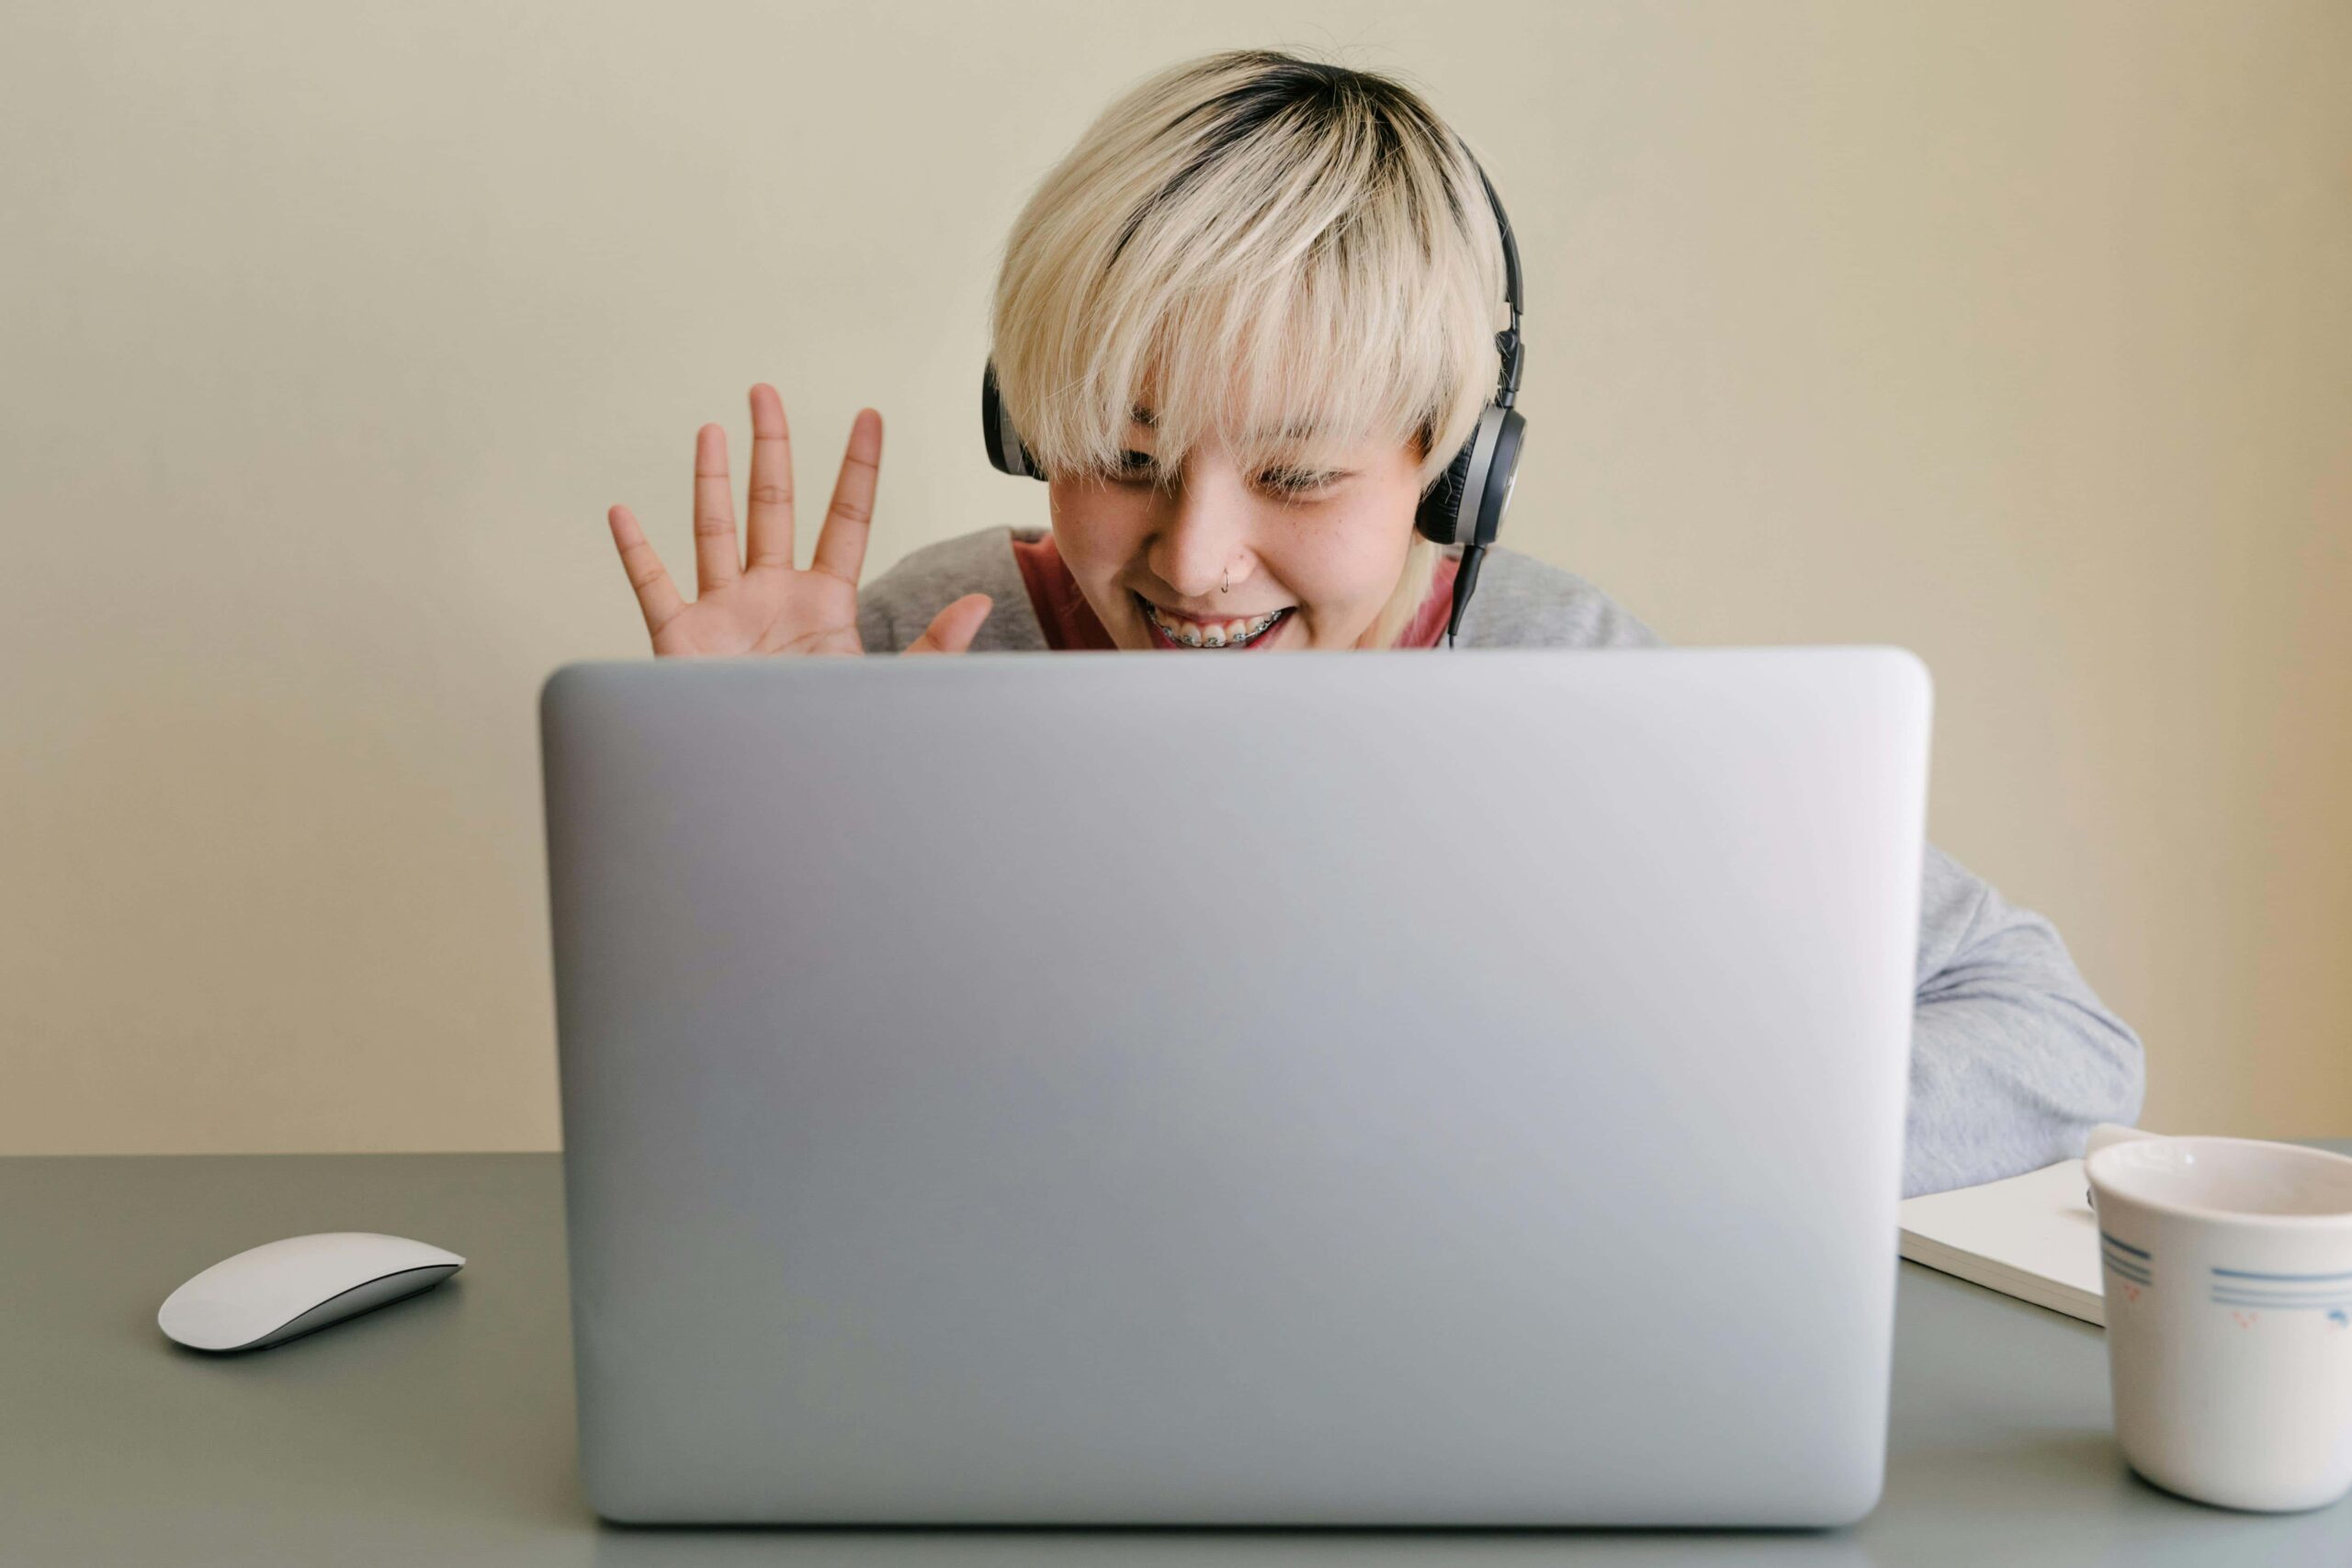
1252 240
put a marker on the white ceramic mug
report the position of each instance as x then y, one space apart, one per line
2228 1273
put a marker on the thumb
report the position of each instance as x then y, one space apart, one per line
952 630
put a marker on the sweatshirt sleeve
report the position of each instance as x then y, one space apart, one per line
2013 1057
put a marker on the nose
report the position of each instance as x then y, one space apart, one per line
1201 537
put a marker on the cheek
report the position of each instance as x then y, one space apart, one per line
1344 573
1351 565
1097 529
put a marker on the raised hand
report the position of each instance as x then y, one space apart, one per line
762 604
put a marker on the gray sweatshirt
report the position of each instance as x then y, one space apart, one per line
2013 1057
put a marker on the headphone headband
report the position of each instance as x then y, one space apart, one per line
1507 342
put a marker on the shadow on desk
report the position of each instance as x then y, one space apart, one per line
638 1547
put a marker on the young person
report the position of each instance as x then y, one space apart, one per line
1241 329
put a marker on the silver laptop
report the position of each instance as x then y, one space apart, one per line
1365 1089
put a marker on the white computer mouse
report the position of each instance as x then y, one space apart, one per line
268 1295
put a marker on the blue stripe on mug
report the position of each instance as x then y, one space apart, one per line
2298 1292
2125 1246
2290 1278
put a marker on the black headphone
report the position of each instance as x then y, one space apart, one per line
1465 506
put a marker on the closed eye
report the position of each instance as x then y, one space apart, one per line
1135 467
1300 482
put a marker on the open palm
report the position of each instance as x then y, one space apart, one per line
762 604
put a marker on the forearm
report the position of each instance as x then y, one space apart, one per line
2006 1083
2014 1057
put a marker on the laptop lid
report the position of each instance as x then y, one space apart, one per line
1339 1088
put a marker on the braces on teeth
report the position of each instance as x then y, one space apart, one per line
1217 636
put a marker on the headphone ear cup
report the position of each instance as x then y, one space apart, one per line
1501 475
1466 504
1007 452
1440 514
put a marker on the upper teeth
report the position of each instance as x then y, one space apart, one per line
1215 634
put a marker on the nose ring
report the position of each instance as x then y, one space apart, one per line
1227 586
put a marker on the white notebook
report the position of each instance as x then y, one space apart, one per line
2032 1236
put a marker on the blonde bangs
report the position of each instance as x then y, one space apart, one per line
1258 249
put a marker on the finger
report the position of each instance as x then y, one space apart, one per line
952 630
771 498
717 559
656 594
841 543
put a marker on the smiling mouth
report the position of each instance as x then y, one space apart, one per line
1241 632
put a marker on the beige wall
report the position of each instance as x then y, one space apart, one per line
2019 334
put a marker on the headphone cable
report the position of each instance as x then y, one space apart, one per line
1466 578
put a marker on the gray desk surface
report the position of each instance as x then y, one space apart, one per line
440 1428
